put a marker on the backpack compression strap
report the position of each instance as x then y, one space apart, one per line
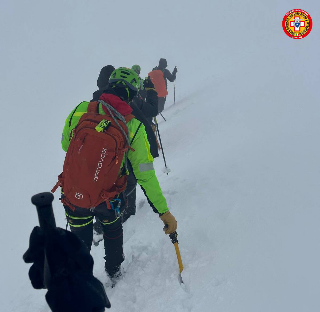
93 107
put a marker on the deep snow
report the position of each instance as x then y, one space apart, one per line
241 142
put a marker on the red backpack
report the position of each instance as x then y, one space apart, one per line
157 78
91 171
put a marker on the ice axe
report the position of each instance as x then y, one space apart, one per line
174 239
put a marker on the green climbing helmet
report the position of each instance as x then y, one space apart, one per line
136 68
125 76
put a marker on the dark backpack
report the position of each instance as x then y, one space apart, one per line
92 168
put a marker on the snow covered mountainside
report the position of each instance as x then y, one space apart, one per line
241 142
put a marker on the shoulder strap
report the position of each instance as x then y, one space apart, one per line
129 117
136 133
116 115
93 107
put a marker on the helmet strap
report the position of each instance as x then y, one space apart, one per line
128 92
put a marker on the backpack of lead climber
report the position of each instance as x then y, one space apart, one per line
97 151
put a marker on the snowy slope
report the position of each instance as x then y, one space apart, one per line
241 142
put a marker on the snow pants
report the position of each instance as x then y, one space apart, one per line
161 102
81 224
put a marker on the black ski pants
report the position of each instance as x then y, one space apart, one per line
161 102
81 224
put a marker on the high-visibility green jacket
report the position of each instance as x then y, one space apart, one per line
141 159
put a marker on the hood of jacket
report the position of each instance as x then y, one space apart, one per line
162 63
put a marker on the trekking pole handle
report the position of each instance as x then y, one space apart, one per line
43 203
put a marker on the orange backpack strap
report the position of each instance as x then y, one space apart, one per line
59 183
93 107
129 117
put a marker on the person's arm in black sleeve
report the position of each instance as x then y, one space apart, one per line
136 103
169 76
150 105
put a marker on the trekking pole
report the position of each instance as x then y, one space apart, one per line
174 94
59 265
174 239
163 117
43 203
164 159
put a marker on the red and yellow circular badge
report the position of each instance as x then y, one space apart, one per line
297 24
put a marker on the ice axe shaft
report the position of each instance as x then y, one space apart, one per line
176 246
174 238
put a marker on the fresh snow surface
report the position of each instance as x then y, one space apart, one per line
241 141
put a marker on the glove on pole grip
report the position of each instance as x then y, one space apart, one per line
43 203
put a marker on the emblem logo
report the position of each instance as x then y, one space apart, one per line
78 196
297 24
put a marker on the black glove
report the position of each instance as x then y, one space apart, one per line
35 255
72 286
148 84
175 70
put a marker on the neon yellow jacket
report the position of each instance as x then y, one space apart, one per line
141 159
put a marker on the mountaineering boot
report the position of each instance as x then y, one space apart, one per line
114 274
113 246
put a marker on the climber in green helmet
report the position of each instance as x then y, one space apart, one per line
114 104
